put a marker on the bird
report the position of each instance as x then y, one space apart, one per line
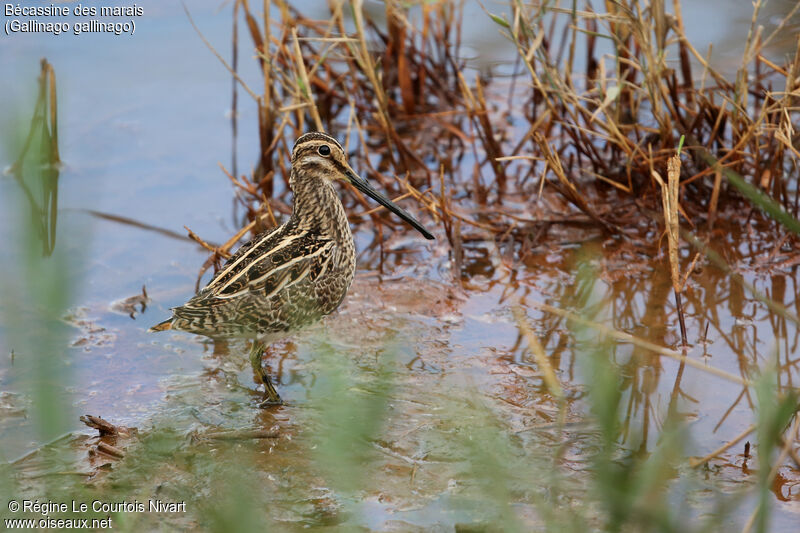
291 276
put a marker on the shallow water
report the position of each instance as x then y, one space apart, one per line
143 126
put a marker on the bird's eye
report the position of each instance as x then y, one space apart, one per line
324 150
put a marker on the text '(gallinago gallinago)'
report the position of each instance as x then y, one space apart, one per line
293 275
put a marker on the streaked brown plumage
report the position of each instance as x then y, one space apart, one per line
291 276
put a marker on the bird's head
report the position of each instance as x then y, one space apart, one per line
318 156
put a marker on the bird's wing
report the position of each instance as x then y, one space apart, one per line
199 305
294 259
263 269
259 246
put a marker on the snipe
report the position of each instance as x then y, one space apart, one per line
291 276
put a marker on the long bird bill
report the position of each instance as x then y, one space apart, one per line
362 185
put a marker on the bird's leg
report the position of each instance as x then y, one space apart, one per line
271 396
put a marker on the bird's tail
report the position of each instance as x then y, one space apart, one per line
165 325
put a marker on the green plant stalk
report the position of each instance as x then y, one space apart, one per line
754 194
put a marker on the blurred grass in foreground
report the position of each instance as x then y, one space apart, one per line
38 283
39 277
500 480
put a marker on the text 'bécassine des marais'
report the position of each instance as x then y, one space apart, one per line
52 10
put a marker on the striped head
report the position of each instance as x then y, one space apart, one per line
318 156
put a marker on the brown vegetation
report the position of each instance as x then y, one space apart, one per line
487 155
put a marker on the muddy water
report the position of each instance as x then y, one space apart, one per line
455 365
438 359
